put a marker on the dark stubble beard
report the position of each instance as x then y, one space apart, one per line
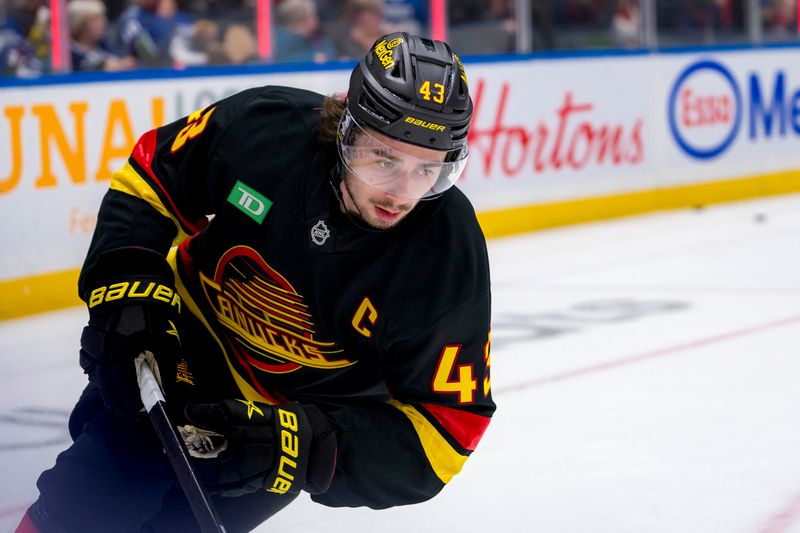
358 215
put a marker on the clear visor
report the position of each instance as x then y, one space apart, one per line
399 169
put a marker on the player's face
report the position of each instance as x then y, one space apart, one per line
374 207
386 205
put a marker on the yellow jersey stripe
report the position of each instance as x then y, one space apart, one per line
127 180
445 461
245 388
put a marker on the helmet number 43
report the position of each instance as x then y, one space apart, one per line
425 91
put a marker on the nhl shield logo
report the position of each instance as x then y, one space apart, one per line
320 233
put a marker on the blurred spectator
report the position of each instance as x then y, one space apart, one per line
359 27
298 36
700 21
39 36
542 19
626 24
478 26
198 44
406 15
114 8
584 12
145 31
779 18
698 14
240 45
225 33
87 26
236 21
224 12
329 10
467 11
27 19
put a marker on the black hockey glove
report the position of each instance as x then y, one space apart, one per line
133 307
284 448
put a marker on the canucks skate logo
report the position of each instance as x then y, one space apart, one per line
269 327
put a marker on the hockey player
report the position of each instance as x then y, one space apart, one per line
327 330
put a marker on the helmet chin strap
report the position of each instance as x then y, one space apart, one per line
335 180
335 177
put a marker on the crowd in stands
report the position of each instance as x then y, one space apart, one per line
120 35
111 35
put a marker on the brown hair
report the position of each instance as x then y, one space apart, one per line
329 115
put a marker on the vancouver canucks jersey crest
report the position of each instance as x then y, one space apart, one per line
267 324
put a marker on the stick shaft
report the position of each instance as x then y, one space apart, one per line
177 454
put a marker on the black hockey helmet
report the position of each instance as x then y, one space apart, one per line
413 90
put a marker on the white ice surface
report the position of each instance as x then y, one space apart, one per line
646 371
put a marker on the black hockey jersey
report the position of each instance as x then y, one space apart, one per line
386 331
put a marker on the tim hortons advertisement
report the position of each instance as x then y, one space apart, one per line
541 133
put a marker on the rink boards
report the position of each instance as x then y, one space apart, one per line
555 140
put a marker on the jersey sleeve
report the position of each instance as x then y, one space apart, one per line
179 174
406 450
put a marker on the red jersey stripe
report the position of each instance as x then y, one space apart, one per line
467 428
143 153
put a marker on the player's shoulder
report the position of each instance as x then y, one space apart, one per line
292 95
441 264
450 234
259 121
453 222
259 103
304 103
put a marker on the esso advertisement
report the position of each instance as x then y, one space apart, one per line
730 109
705 109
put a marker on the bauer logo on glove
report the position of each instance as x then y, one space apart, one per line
248 446
133 308
134 290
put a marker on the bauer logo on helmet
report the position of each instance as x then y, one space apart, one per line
424 124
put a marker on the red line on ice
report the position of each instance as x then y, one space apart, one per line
782 520
648 355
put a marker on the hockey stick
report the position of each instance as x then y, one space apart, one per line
154 404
